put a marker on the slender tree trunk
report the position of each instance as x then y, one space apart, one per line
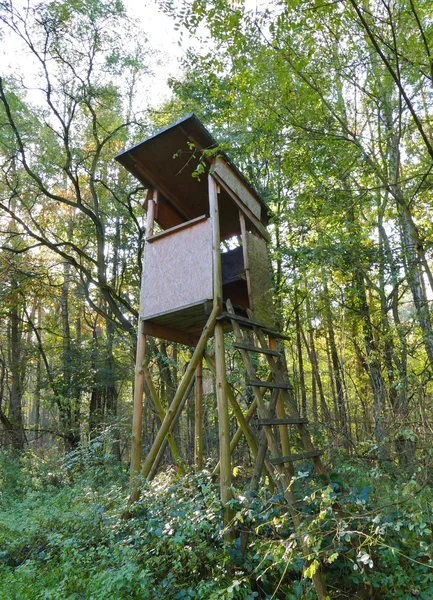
16 418
338 378
300 358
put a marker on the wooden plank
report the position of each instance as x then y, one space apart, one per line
167 333
257 224
260 279
224 172
174 229
177 270
187 314
220 369
251 324
286 421
267 384
255 349
294 457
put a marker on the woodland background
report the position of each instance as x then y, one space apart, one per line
327 107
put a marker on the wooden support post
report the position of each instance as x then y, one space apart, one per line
151 206
137 417
171 413
223 422
198 444
216 240
221 381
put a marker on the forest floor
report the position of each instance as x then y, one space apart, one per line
63 534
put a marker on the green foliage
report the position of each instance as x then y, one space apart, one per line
62 535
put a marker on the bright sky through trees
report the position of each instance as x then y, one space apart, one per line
161 35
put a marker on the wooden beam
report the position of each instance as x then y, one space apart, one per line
250 348
250 323
175 229
216 241
285 421
267 384
198 442
137 416
294 457
246 257
151 205
241 418
256 223
221 380
223 420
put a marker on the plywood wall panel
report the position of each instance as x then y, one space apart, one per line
177 270
260 277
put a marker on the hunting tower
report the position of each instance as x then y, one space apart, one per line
207 271
199 202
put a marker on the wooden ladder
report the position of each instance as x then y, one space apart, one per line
276 415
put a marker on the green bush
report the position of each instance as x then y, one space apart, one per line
63 535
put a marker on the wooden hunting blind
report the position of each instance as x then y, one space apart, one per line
178 284
206 271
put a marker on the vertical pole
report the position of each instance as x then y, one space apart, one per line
223 421
222 403
137 418
151 205
198 445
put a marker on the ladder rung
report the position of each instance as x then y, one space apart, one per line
286 421
268 384
294 457
244 321
255 349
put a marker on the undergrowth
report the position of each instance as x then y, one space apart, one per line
63 535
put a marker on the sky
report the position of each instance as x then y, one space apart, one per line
161 34
158 27
163 38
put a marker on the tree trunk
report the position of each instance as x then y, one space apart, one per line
16 419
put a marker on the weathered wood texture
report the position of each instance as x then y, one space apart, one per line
166 161
226 173
137 418
198 445
177 270
260 279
